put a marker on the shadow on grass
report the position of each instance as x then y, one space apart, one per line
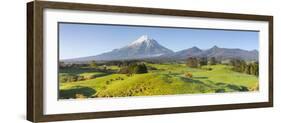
79 70
77 92
74 70
220 87
174 74
233 87
200 77
194 81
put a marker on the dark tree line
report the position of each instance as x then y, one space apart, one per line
203 61
121 63
238 65
243 67
134 69
194 62
213 61
70 65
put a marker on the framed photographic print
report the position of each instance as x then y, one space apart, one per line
97 61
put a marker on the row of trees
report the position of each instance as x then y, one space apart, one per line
194 62
70 65
134 69
243 67
239 65
120 63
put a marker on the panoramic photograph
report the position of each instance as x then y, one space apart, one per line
107 61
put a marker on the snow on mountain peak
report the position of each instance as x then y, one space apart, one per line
143 38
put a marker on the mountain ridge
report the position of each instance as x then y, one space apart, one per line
146 47
215 51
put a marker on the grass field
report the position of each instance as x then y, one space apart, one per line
166 79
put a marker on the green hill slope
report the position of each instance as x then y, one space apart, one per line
166 79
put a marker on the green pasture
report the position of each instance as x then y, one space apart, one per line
166 79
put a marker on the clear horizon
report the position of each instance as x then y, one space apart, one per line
81 40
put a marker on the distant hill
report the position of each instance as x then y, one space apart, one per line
145 48
219 53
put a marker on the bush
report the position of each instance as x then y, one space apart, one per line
62 79
207 68
192 62
213 61
188 75
139 69
124 70
151 68
244 67
71 78
80 78
134 69
220 90
68 78
90 77
243 88
107 82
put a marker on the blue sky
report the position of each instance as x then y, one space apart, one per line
79 40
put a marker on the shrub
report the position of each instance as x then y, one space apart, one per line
90 77
207 68
139 68
243 88
212 61
80 78
107 82
203 61
124 70
68 78
192 62
134 69
188 75
72 78
63 79
93 64
151 68
220 90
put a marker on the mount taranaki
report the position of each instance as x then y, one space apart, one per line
145 48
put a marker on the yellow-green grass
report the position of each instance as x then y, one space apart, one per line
168 79
224 74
